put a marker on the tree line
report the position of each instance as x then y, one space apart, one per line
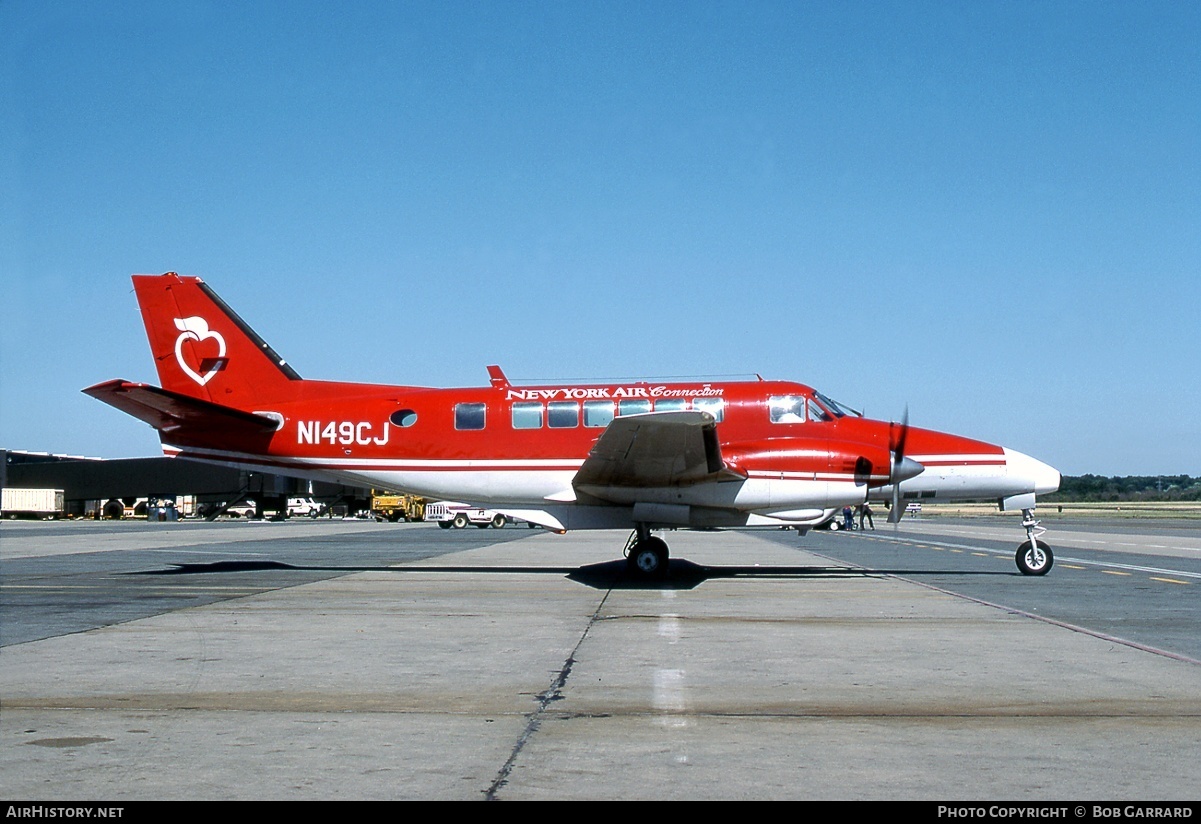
1084 488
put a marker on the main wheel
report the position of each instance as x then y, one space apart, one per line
649 558
461 520
1035 558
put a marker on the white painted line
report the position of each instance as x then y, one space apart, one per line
1065 558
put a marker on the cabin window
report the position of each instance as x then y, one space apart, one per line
563 414
714 406
816 413
527 416
598 413
632 407
469 416
671 406
786 409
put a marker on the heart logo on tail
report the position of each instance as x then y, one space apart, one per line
197 329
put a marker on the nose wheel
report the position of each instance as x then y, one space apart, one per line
1034 557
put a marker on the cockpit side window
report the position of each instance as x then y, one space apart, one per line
786 409
839 410
816 413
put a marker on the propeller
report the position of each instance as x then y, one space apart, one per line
902 468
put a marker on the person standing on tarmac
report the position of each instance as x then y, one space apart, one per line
865 511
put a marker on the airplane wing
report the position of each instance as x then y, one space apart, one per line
168 411
657 449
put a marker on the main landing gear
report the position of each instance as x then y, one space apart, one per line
1034 556
646 555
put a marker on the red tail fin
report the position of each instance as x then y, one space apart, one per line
202 349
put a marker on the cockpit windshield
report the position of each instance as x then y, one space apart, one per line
837 409
798 409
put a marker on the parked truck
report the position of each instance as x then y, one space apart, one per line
32 503
305 507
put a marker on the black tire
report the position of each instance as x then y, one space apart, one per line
1035 560
444 524
835 526
461 521
499 521
649 558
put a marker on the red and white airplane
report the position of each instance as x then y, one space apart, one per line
641 455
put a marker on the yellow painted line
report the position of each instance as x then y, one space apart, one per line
1114 572
959 551
1169 580
981 554
1072 566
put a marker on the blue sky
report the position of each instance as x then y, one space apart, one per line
988 211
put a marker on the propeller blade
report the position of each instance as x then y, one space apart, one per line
894 514
898 438
902 468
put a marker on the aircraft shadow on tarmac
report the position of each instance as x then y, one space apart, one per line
607 575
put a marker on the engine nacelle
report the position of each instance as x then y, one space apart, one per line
811 459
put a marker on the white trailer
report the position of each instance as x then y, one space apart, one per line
449 513
31 503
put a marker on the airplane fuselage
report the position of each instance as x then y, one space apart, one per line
646 454
520 447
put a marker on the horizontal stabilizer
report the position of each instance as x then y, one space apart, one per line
169 411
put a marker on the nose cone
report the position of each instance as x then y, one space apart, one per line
1036 476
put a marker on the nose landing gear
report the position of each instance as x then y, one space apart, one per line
1034 557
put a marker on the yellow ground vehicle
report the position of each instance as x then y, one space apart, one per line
398 507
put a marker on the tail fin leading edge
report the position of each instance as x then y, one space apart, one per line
203 350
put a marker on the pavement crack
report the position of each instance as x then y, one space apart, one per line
553 693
